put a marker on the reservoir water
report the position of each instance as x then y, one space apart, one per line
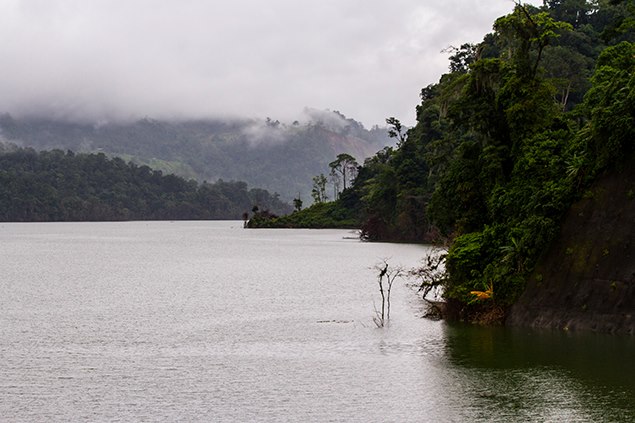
209 322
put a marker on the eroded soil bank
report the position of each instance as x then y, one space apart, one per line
586 280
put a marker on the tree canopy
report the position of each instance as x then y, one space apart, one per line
504 143
58 186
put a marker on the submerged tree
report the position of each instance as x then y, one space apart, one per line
385 279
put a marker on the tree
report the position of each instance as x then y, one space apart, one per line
610 103
462 57
396 130
335 179
431 274
385 279
568 71
297 203
575 12
525 36
319 188
58 186
344 165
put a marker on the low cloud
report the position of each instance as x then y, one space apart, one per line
267 132
273 131
102 60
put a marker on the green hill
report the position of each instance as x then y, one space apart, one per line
58 186
523 126
268 154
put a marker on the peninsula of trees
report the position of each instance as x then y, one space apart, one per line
521 127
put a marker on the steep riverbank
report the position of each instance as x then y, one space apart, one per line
586 280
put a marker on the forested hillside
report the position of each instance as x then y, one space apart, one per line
268 154
58 186
520 128
586 279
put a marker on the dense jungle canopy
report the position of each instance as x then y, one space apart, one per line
519 129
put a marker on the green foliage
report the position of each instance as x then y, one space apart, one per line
611 104
462 57
276 157
525 35
396 130
502 147
318 192
58 186
297 204
318 216
345 166
505 143
458 201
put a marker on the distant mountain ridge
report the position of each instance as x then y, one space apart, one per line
266 154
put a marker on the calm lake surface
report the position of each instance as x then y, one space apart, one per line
206 321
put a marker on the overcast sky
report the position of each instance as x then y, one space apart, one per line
112 59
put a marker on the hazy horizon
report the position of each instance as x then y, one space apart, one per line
103 61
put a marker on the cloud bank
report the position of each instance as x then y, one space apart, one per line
107 60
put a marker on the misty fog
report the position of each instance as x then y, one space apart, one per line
103 61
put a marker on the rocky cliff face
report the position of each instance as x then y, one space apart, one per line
586 280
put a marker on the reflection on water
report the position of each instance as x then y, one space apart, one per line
526 375
205 321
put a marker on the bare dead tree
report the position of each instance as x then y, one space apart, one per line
385 278
431 276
